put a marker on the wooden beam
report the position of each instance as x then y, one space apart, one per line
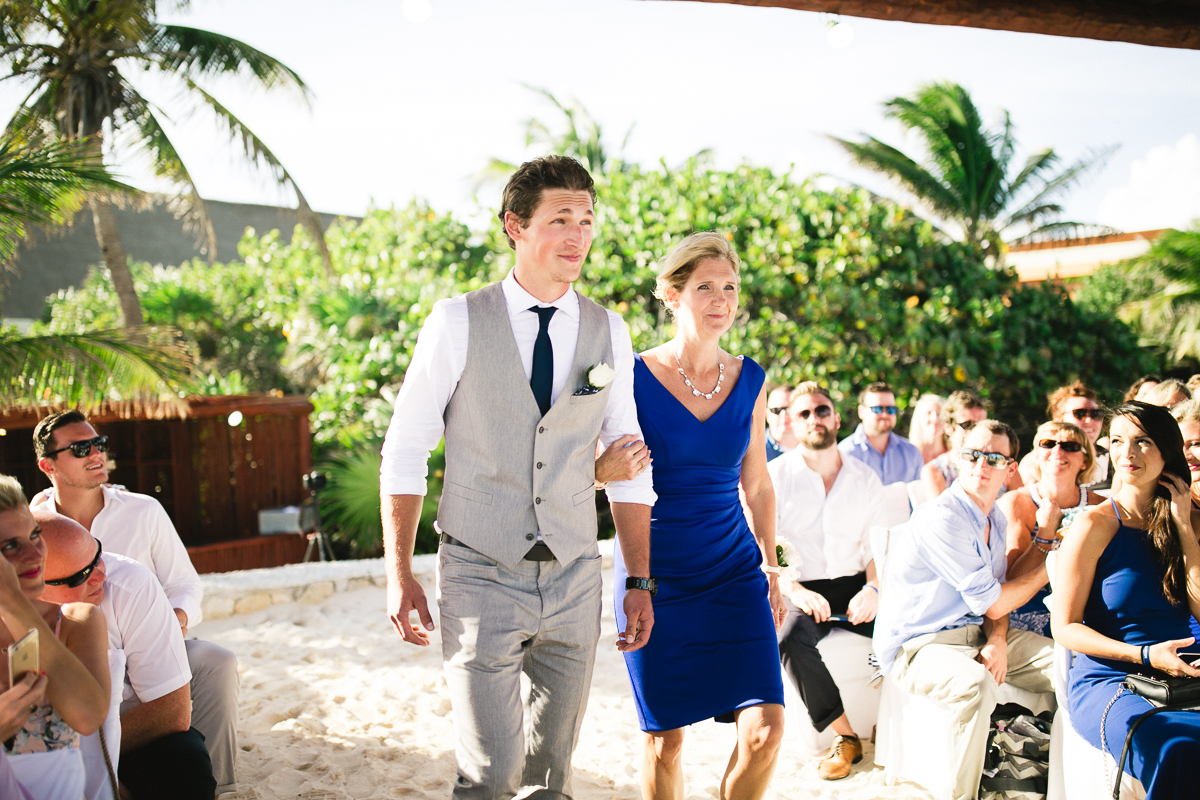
1158 23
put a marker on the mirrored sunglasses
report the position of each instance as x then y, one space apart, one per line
84 449
1067 447
79 578
892 410
1084 413
994 460
822 412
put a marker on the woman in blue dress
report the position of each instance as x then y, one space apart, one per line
713 653
1129 577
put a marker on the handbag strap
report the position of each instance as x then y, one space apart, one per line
112 778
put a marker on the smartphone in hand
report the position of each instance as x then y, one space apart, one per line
1191 658
22 657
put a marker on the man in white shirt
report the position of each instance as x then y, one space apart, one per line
149 737
73 457
509 375
825 507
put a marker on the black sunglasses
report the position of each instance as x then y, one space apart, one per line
967 425
1084 413
822 412
994 460
890 410
84 449
79 578
777 411
1067 447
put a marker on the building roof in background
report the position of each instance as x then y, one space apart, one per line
1076 258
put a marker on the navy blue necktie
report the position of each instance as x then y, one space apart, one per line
542 379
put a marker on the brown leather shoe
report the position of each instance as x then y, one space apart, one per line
846 750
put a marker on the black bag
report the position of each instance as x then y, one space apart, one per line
1169 691
1018 755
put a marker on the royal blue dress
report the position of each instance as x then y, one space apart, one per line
713 649
1127 604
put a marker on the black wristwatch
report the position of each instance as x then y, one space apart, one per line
646 584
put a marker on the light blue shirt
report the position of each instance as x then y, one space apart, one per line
940 572
900 462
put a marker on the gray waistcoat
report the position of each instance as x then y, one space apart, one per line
510 472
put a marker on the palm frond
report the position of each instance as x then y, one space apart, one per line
135 369
1068 178
883 158
1061 230
201 53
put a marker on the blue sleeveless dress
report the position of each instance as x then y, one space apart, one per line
713 649
1127 604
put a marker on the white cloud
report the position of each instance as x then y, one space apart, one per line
1163 190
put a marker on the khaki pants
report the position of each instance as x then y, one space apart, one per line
942 666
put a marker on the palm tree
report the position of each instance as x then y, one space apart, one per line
967 178
1170 316
76 56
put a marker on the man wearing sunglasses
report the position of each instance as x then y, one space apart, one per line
825 507
148 733
781 438
942 628
74 457
875 442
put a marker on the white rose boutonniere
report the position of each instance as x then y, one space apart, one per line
598 376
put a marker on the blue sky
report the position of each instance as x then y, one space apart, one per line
404 108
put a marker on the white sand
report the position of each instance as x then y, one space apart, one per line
335 705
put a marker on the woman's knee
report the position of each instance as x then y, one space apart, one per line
664 746
761 729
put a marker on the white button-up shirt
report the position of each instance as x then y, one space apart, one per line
438 362
831 533
137 526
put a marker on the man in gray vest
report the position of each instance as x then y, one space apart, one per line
522 378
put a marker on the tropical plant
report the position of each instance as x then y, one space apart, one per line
967 179
77 57
1168 314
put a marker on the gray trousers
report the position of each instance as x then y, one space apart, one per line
215 705
942 666
543 619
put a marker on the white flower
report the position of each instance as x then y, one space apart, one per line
600 375
791 557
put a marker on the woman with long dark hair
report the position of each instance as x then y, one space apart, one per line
1128 577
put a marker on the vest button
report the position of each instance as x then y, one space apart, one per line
541 429
537 500
539 465
529 537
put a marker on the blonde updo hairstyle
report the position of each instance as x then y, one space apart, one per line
681 261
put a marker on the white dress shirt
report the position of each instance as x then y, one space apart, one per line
137 526
441 356
831 533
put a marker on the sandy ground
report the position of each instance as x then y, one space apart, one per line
335 705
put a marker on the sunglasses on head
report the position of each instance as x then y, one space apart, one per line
1084 413
84 449
994 460
890 410
1067 447
822 412
80 578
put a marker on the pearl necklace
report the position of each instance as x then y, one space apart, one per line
695 391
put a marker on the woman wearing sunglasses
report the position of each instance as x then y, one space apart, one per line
1126 580
1040 511
72 652
1076 404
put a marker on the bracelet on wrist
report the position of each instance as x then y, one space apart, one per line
873 588
1146 654
767 568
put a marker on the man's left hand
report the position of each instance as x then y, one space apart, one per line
863 606
181 615
994 656
639 619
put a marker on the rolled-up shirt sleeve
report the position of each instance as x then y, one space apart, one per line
620 418
954 558
418 421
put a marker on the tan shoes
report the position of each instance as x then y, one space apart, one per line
846 750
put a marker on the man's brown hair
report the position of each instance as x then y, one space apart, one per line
524 189
998 428
878 387
45 429
1064 393
957 402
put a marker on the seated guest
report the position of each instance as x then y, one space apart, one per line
135 525
780 436
44 753
158 754
1187 414
925 430
825 506
1168 393
942 627
1126 579
1040 511
1193 384
1077 405
1141 386
962 411
875 442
